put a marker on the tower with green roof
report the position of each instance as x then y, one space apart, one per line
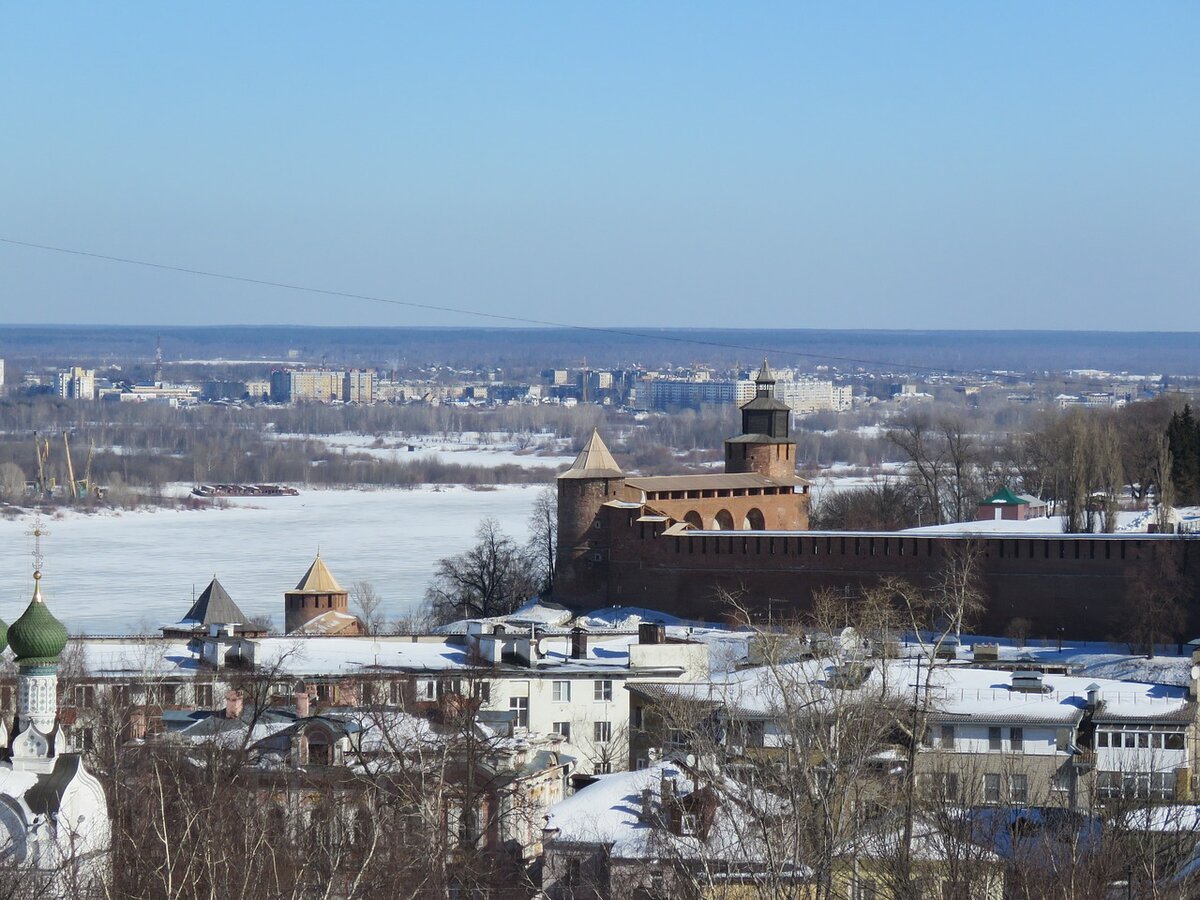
37 640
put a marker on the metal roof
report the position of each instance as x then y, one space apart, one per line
318 580
717 481
594 461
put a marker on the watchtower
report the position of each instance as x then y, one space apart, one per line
593 480
764 446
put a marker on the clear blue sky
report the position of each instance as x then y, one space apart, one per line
843 165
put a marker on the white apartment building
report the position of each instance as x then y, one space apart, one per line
572 684
803 395
76 383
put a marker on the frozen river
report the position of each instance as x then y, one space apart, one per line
129 573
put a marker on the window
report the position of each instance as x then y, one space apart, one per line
85 696
1101 738
603 768
635 716
397 693
426 689
602 690
1062 780
1174 741
687 823
204 695
995 741
677 738
482 691
561 691
563 728
1016 739
520 705
947 737
602 732
641 763
991 788
943 785
1018 787
573 877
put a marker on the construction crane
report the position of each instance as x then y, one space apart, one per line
41 450
71 486
86 485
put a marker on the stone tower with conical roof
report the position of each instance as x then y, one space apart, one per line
593 480
317 593
764 447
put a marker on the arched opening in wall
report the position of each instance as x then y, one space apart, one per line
723 521
755 521
693 518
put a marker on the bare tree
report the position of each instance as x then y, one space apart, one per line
543 536
12 483
369 606
492 578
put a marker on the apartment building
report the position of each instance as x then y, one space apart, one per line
547 682
76 383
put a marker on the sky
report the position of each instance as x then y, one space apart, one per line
835 165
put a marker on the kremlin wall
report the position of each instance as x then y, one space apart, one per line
680 544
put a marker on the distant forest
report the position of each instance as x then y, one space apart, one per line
1170 353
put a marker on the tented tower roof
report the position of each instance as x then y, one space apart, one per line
594 461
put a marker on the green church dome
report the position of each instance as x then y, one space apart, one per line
37 638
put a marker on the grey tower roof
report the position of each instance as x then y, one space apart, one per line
594 461
214 606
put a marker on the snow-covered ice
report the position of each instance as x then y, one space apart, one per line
133 571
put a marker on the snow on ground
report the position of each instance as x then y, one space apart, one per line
134 571
1127 523
468 448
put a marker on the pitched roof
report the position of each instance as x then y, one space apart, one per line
214 605
318 580
1004 497
594 461
764 375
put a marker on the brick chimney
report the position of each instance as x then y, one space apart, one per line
301 700
233 704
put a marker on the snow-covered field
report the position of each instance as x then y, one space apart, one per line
131 572
468 448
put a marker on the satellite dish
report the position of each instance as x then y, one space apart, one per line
690 759
1195 673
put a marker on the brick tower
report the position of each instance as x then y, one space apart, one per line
593 480
317 594
764 446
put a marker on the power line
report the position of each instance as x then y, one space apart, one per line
433 307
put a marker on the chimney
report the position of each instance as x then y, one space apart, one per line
647 805
233 705
667 791
652 633
301 700
579 640
1093 695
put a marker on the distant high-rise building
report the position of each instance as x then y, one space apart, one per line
76 384
1 376
358 386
